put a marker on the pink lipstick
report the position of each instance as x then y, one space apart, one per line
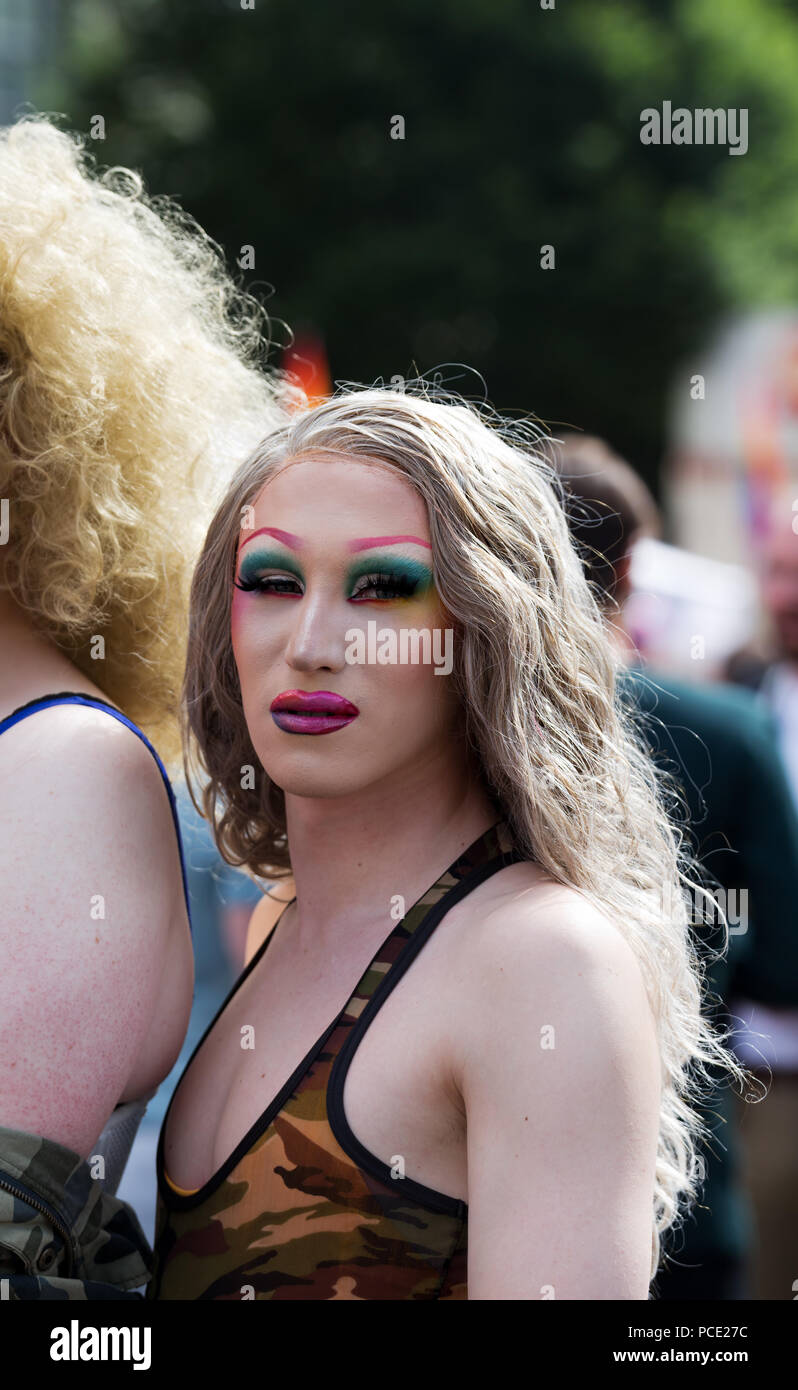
312 711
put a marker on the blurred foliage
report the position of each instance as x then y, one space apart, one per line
272 126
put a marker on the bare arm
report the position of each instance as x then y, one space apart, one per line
561 1083
92 897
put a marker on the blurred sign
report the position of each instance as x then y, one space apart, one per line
733 470
687 614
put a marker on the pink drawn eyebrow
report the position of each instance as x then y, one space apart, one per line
370 542
293 542
362 543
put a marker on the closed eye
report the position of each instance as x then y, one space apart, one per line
271 584
382 586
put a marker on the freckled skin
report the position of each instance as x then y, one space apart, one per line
92 1011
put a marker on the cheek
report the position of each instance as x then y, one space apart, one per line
411 709
240 613
249 634
413 694
236 615
425 612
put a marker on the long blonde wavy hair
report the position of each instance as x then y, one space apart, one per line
129 381
557 745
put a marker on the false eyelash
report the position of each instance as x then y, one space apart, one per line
248 586
399 583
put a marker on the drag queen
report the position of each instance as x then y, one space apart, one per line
128 377
464 1061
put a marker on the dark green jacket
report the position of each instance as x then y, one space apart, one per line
721 744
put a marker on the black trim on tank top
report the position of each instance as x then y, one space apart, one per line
192 1199
92 702
351 1145
178 1202
59 695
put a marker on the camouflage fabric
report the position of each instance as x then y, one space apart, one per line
62 1236
301 1210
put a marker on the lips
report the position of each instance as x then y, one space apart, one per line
312 711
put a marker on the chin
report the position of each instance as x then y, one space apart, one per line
313 785
304 773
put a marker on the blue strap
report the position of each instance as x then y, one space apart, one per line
68 697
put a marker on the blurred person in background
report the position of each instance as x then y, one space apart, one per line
721 747
769 1039
221 901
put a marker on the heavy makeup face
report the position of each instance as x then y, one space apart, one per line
335 544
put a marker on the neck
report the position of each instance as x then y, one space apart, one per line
31 665
352 856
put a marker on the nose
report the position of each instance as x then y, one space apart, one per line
316 641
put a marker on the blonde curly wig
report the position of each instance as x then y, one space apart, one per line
536 676
129 379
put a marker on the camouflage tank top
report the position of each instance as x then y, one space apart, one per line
300 1209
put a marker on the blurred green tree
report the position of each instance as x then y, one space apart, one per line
274 125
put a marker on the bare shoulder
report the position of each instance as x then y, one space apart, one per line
524 919
78 739
534 950
556 1057
72 774
94 898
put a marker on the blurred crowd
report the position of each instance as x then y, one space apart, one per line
730 749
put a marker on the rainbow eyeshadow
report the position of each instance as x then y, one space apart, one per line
401 577
255 562
413 579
